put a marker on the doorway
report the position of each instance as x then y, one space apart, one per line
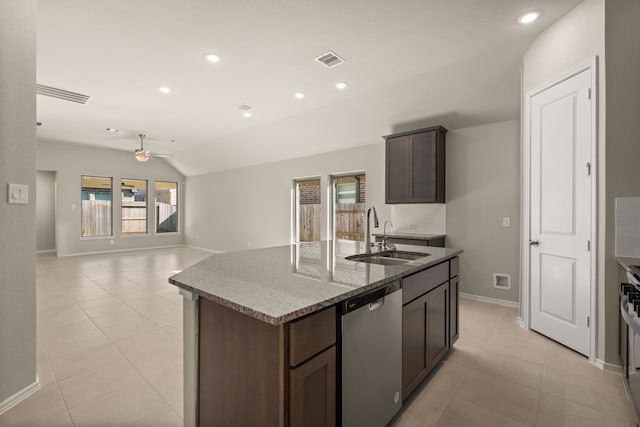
46 211
560 209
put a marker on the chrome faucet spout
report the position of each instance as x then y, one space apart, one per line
367 237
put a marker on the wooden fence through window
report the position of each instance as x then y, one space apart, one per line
349 222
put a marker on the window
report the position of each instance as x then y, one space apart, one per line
96 206
349 206
166 207
134 206
307 210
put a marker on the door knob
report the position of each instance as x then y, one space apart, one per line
534 242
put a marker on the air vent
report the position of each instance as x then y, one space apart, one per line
244 107
61 94
329 59
502 281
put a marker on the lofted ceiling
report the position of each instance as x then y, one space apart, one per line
408 63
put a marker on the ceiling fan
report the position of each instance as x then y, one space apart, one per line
143 155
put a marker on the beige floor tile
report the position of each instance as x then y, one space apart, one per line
509 399
165 318
84 360
463 413
555 412
116 318
406 419
168 383
175 330
508 368
45 374
118 408
128 329
144 342
165 418
61 330
44 403
529 351
90 385
59 420
159 359
64 344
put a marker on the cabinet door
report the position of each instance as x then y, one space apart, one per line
313 391
453 309
397 170
437 325
414 344
423 167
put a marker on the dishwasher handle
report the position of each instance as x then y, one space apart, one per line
374 299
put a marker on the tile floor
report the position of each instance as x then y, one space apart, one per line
110 354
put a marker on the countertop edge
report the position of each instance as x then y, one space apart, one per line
320 305
411 236
627 262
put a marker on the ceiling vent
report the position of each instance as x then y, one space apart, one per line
61 94
329 59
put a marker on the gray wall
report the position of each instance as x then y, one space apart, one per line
253 205
622 33
17 165
483 186
45 211
71 162
572 41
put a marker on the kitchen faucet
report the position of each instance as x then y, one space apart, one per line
367 239
386 242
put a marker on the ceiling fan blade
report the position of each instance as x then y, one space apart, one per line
163 156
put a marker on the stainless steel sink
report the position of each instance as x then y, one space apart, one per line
387 257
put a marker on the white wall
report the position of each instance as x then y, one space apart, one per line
574 40
71 162
483 187
45 211
17 165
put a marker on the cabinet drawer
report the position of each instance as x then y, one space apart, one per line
311 334
422 282
455 267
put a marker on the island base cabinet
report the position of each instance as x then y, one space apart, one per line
425 336
313 391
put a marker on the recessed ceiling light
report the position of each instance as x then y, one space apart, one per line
299 95
212 58
111 130
164 89
528 17
341 85
247 114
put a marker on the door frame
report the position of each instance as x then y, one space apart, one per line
525 253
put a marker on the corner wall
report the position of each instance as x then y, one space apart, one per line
483 187
71 161
17 165
622 33
572 41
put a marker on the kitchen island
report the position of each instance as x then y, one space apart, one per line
262 330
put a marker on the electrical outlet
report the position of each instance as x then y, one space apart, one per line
506 221
412 226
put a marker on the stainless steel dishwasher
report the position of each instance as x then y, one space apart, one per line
372 357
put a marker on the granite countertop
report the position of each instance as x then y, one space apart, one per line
280 284
407 235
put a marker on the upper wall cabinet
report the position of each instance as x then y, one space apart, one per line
415 166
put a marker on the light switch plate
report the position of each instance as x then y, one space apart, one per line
18 193
506 221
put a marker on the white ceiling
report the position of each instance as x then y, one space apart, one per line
409 63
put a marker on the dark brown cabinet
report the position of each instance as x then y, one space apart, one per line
415 166
427 323
313 391
454 295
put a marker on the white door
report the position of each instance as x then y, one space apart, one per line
560 211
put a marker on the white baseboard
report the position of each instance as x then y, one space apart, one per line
608 366
18 397
490 300
46 251
150 248
213 251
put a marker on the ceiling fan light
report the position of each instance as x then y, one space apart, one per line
142 156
